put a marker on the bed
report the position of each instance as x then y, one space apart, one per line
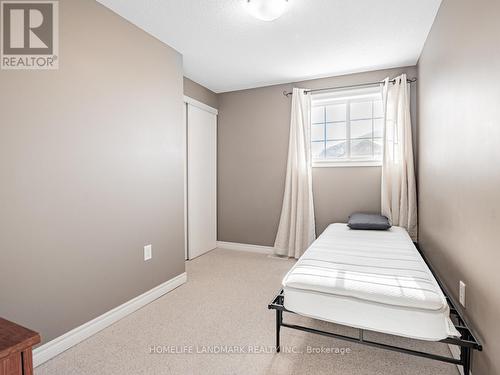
377 281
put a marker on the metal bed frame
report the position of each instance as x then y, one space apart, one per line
467 342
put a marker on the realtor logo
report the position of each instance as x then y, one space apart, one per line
29 35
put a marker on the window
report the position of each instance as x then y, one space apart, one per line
347 127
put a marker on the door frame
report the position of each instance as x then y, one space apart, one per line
187 100
196 103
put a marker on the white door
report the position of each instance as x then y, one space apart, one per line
201 180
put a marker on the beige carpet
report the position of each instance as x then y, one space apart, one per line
224 304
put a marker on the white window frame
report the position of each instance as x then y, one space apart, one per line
347 163
353 162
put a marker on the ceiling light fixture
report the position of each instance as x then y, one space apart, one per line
266 10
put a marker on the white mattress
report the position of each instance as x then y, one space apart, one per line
374 280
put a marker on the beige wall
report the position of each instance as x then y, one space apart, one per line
91 170
338 192
459 186
252 151
253 145
200 93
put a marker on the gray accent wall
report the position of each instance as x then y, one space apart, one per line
252 150
200 93
459 161
252 153
91 170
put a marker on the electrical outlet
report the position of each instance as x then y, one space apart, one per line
148 252
461 294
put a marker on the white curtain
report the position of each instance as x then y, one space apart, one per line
296 229
399 194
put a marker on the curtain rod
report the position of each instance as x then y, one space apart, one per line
412 80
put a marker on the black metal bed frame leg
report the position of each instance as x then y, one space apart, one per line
279 319
465 357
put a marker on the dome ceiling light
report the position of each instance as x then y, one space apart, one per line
266 10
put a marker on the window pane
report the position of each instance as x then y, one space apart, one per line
318 150
317 115
336 131
378 108
348 127
361 110
361 129
317 132
336 112
378 148
378 128
335 149
361 148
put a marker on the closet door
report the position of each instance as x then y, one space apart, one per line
201 180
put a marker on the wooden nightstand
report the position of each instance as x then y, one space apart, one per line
15 348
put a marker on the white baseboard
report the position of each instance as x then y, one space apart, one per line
455 352
245 247
58 345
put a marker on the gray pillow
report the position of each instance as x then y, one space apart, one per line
368 222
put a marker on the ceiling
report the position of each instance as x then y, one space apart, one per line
226 49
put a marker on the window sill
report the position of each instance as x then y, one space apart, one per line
343 164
